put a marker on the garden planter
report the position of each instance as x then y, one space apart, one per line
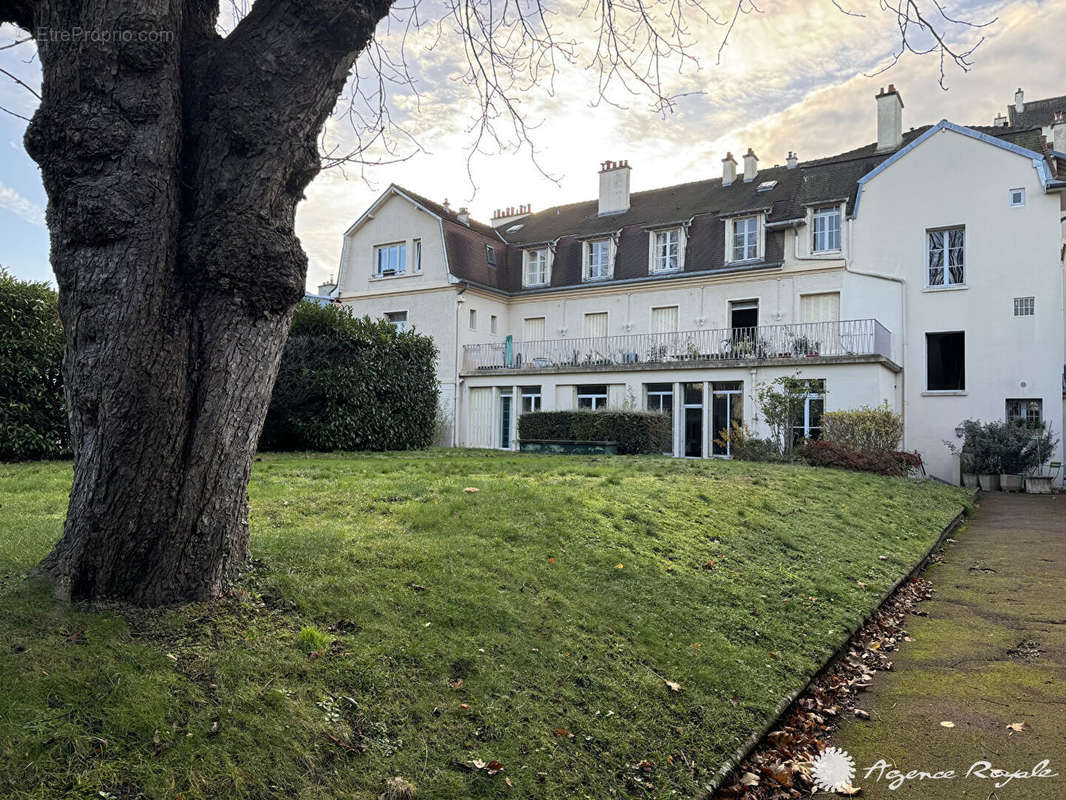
969 480
988 483
1012 483
1038 484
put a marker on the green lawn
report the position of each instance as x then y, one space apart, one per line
534 623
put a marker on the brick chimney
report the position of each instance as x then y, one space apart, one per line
1019 101
729 169
505 216
464 215
751 166
889 120
793 160
614 187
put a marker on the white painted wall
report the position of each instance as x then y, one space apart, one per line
952 180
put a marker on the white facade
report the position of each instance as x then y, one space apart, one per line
865 305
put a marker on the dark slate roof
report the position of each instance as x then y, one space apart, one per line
703 206
1037 113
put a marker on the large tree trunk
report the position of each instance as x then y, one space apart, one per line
173 165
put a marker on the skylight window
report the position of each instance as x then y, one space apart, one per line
766 186
517 227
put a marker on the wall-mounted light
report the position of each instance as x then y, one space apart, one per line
627 326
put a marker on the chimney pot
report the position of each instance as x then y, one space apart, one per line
793 160
1058 132
1019 100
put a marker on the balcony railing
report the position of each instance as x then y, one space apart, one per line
854 337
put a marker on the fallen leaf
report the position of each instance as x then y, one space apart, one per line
749 779
508 782
618 566
456 683
464 706
674 687
471 489
551 560
848 790
493 767
946 724
734 700
1018 727
862 714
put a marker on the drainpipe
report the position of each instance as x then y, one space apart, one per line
457 403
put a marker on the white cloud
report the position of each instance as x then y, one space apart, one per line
12 201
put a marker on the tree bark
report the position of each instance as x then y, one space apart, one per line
173 163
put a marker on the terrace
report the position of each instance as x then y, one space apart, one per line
841 340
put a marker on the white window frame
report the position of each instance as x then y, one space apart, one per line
1025 306
540 256
494 323
660 259
399 324
607 267
1010 197
731 240
417 248
826 214
490 255
473 319
536 398
398 266
1022 404
943 253
596 399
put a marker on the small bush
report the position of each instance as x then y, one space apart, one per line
830 454
33 416
347 383
744 446
867 430
635 432
311 639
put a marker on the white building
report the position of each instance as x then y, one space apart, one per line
924 270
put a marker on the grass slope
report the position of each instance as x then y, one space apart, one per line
534 623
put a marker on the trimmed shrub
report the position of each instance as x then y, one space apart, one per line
820 453
347 383
635 432
868 430
33 416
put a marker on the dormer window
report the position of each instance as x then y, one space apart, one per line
666 250
535 267
825 230
597 259
390 259
745 246
490 255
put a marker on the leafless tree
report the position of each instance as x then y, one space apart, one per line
174 150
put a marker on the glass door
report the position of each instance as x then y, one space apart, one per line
693 419
727 408
505 421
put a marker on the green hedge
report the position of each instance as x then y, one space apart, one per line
347 383
33 417
634 431
868 430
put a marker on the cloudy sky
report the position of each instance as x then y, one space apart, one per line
794 76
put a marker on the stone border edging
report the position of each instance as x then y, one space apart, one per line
749 746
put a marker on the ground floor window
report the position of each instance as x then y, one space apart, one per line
661 398
693 438
592 397
807 418
398 319
945 361
530 399
1030 412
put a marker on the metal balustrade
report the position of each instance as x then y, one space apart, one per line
856 337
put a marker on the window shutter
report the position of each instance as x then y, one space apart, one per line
664 320
596 325
823 307
532 329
